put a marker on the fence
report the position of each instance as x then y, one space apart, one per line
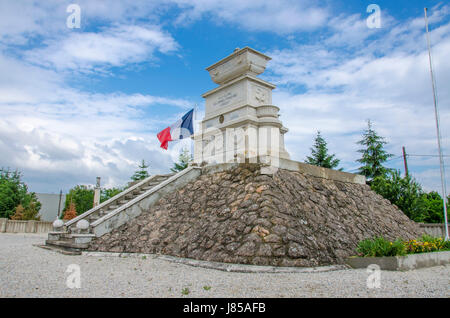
433 229
16 226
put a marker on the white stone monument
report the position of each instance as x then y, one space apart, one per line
97 193
240 123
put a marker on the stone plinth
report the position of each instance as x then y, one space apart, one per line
240 123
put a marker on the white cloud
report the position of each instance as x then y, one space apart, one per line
281 16
116 46
23 20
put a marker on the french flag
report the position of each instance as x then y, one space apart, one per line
183 128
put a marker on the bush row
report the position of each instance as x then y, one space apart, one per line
379 246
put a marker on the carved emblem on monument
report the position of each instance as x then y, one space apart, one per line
260 95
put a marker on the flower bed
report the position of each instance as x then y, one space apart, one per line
379 247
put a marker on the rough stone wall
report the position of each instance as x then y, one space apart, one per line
241 216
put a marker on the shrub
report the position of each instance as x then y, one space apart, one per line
379 246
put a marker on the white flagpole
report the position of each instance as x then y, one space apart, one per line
436 113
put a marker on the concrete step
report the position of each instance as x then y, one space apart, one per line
67 245
76 238
58 249
75 230
54 236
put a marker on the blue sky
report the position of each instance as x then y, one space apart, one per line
87 102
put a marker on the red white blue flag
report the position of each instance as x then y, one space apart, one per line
183 128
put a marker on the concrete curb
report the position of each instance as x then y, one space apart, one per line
226 267
402 263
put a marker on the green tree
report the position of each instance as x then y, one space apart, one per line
142 173
107 194
434 207
14 192
183 161
319 154
83 198
406 193
373 154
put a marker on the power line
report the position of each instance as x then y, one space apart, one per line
410 155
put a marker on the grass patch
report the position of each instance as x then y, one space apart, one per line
185 291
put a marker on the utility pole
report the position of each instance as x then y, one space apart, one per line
59 204
436 113
405 161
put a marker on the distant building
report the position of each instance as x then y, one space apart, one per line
49 208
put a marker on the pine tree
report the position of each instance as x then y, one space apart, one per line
184 159
71 212
319 154
373 154
30 212
18 215
142 173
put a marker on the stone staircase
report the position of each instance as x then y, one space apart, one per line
74 236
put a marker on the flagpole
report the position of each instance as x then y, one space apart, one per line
436 113
196 119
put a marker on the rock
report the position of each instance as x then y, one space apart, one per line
261 231
247 249
264 250
272 238
261 188
295 250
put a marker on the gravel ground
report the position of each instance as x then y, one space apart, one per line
29 271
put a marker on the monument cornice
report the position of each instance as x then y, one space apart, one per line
241 122
238 79
235 54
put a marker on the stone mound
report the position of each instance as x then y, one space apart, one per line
242 216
